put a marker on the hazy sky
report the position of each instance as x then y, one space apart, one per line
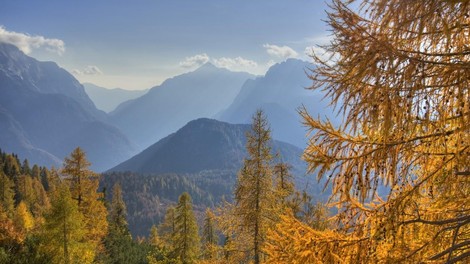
138 44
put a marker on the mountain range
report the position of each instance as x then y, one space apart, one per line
203 159
45 113
169 106
203 144
280 93
108 99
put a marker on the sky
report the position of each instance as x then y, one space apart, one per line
138 44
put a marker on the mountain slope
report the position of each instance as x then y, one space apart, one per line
108 99
165 108
279 93
201 145
202 158
47 114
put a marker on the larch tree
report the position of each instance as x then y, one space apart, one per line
400 73
64 231
23 218
84 189
254 191
283 185
209 236
167 229
7 193
186 237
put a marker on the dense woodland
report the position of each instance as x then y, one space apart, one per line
399 71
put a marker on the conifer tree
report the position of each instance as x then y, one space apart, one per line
254 194
64 231
76 167
154 238
167 229
186 238
23 218
209 236
83 187
7 193
283 186
399 71
118 213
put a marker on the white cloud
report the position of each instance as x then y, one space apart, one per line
283 52
88 70
27 43
196 60
235 64
320 53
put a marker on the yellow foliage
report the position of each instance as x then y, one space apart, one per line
400 73
23 218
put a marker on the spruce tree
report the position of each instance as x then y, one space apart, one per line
186 231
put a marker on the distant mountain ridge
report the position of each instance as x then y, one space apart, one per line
178 100
45 114
280 93
203 144
108 99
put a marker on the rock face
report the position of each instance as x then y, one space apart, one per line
45 114
166 108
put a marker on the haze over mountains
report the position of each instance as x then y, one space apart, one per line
166 108
279 93
108 99
203 144
45 114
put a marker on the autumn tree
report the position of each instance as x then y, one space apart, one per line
7 193
64 232
400 72
167 229
186 237
209 236
254 193
283 186
23 218
84 186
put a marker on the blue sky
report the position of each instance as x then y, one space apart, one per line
138 44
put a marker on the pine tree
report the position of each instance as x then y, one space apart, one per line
118 213
254 192
64 231
120 247
186 236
